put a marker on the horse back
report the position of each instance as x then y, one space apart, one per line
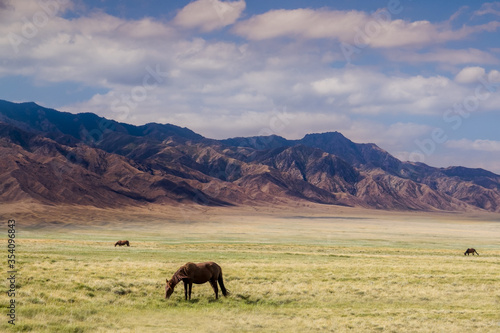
471 250
210 266
206 271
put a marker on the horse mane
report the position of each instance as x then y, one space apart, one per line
182 273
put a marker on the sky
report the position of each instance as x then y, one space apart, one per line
421 79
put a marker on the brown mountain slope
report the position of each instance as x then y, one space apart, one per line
46 157
48 172
384 191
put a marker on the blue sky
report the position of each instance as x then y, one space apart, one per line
419 78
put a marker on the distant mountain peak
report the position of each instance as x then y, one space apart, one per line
62 158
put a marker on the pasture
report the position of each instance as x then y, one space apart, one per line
322 271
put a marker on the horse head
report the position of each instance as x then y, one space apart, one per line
169 289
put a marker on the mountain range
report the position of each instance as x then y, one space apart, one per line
54 157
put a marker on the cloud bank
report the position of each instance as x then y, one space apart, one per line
223 73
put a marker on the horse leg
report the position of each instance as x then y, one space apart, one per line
221 283
190 287
186 291
213 283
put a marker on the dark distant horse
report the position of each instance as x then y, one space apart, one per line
196 273
471 250
122 242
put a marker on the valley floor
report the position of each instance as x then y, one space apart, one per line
309 269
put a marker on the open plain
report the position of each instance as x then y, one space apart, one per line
310 269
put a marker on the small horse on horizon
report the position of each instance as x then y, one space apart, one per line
122 242
196 273
471 250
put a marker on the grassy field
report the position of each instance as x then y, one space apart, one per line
328 271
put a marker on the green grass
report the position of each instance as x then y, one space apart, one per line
284 275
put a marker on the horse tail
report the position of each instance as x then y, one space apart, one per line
221 284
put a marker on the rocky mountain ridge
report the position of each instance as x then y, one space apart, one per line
61 158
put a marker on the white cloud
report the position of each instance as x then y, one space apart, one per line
422 33
470 159
96 50
220 87
393 137
494 76
470 74
479 145
378 30
368 92
222 82
489 8
481 94
209 15
306 23
335 86
447 56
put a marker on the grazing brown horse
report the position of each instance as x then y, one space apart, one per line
196 273
122 242
471 250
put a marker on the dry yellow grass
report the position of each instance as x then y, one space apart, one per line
310 270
